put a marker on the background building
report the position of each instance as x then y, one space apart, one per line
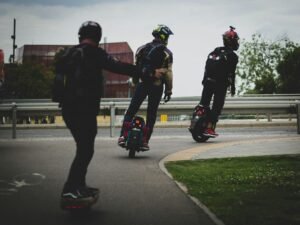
116 85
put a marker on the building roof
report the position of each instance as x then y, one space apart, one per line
116 47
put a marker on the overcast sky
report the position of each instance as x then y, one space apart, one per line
197 26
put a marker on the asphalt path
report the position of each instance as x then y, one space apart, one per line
243 132
136 191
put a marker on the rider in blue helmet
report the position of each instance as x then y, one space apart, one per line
152 56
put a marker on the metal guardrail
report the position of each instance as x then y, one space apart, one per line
269 105
253 97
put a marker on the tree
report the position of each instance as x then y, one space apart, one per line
28 81
289 72
258 61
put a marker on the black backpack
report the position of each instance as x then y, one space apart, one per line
148 58
69 64
216 67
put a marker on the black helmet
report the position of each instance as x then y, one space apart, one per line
162 32
231 39
90 29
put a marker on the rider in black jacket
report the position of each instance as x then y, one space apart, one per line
219 75
82 67
149 57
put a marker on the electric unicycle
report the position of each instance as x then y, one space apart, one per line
134 140
199 123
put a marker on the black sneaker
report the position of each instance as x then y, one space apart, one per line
79 198
80 193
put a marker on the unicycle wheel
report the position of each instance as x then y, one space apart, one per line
131 153
199 137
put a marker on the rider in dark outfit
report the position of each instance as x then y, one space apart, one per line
153 55
219 75
82 66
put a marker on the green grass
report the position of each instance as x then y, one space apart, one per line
245 191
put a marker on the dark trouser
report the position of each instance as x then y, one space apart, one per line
211 89
83 127
154 94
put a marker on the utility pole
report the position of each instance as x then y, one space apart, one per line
12 57
105 43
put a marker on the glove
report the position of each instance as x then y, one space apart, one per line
167 98
158 73
232 90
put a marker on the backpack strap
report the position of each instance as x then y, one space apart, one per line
80 54
155 48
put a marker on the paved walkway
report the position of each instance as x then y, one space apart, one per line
262 146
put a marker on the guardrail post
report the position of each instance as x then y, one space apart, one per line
257 117
298 117
112 118
269 116
14 120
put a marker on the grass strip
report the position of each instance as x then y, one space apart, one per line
262 190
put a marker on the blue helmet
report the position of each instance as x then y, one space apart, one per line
162 32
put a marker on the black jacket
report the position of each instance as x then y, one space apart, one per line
223 73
